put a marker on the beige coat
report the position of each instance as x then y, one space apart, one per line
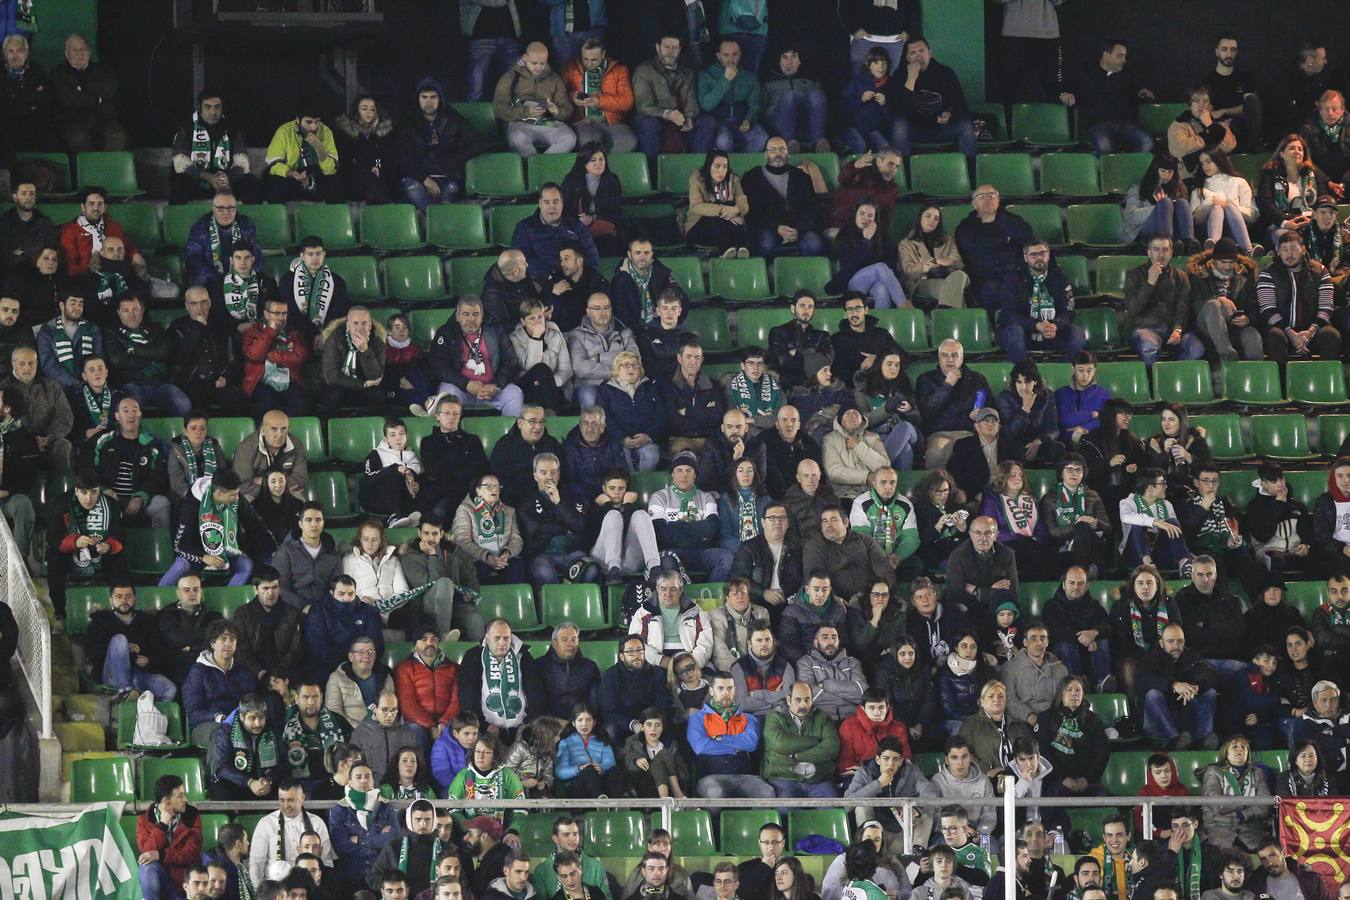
342 696
915 261
1183 140
702 204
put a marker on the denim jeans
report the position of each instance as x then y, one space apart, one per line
1149 343
784 787
1170 217
861 140
420 197
726 135
800 117
858 47
900 442
644 459
616 138
1099 660
586 393
1165 552
1217 219
649 136
167 397
766 243
529 140
120 672
959 131
482 53
1162 722
718 787
156 883
713 560
878 281
241 569
1014 340
1119 137
567 46
752 48
291 401
507 401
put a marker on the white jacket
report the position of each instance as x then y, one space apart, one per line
1234 188
262 852
696 634
381 577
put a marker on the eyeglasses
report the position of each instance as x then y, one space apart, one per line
685 670
490 487
775 518
1208 480
985 195
534 421
225 208
881 593
1157 484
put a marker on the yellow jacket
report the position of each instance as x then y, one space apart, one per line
283 153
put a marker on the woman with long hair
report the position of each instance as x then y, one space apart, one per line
408 778
593 194
1158 205
1114 455
740 509
1030 416
1179 450
790 881
959 680
866 259
892 413
943 518
717 208
532 755
1137 621
1288 188
909 688
374 563
931 270
1236 774
366 154
1223 202
1020 526
585 765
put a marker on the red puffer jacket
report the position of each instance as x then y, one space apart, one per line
427 696
859 736
178 853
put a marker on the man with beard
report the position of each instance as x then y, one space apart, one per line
109 279
571 285
1036 307
216 235
309 732
835 678
208 155
415 854
640 281
24 231
302 158
783 211
628 687
790 342
83 237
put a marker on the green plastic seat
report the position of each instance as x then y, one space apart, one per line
1056 374
536 833
424 323
1316 383
307 431
621 833
830 823
1249 165
350 440
1331 433
688 273
1009 172
149 551
1306 596
169 268
1041 124
362 276
1122 171
739 280
740 830
1124 774
655 221
512 602
467 273
494 175
62 184
113 170
1102 329
1075 268
1223 433
1044 219
1125 380
1070 175
545 167
1095 225
126 723
828 163
795 273
276 267
502 221
827 318
227 600
1253 383
272 221
140 222
415 279
1306 487
395 652
969 326
211 825
155 599
577 603
1040 481
1111 271
330 489
560 426
189 769
101 779
1156 117
753 325
1033 595
908 326
996 373
489 429
230 431
390 227
481 117
1236 485
673 171
603 653
1183 381
1282 437
997 117
457 226
330 221
178 220
691 830
82 601
634 176
903 217
712 327
939 175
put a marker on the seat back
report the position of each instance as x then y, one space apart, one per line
362 277
939 175
1070 175
795 273
1041 124
391 226
1094 224
101 779
1009 172
969 326
1122 171
415 278
1125 380
1183 381
739 279
113 170
457 226
494 175
330 221
1044 219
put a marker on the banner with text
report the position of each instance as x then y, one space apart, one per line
63 857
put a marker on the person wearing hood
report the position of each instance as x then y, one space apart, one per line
183 626
1079 630
630 686
353 362
533 101
427 685
801 743
514 882
216 530
308 566
215 684
891 775
795 105
247 754
382 733
365 151
209 155
861 734
960 778
836 679
354 687
600 88
334 622
1036 307
432 148
500 680
414 853
360 826
391 484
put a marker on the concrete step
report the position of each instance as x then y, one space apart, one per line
81 736
65 680
96 708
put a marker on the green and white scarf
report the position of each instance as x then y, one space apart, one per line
5 428
1315 240
1068 735
489 524
756 400
1188 875
642 282
217 255
301 741
688 501
99 407
591 79
1157 510
1214 529
885 520
25 17
747 514
1333 132
1021 513
1336 617
389 604
140 337
349 358
315 292
241 296
202 153
435 855
246 760
1137 613
208 464
171 825
503 694
110 285
309 160
94 523
1069 505
1042 304
218 523
65 348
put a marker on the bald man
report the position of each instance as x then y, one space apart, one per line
271 449
532 100
806 500
981 573
205 362
990 240
1176 692
505 286
85 95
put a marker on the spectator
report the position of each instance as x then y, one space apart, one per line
593 194
18 471
727 447
931 271
433 147
1222 200
723 739
870 117
215 236
226 860
806 500
271 449
632 402
209 156
307 566
542 236
730 100
302 158
872 175
1326 512
332 625
991 732
770 563
586 765
590 453
533 101
801 743
204 359
47 413
274 361
1234 94
1235 774
1177 693
791 341
169 843
960 778
693 404
452 459
638 284
353 362
25 101
1044 321
391 487
373 563
1321 235
989 239
1157 311
183 627
381 734
277 838
247 754
571 284
1075 516
948 399
364 143
486 529
983 571
1197 131
269 637
861 340
718 207
795 104
109 278
975 458
666 98
500 681
595 346
427 686
836 679
82 238
853 561
217 680
216 530
138 352
513 457
860 736
24 231
405 376
1287 191
1107 98
507 284
85 101
454 748
1021 526
1294 295
929 104
493 34
813 608
407 866
360 826
1279 526
782 200
1330 155
1276 868
1158 204
95 401
469 362
692 632
67 341
889 518
1029 53
124 649
84 539
315 295
601 94
40 284
867 260
130 463
1308 82
553 528
1223 301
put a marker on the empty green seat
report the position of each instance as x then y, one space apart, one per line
1075 268
307 431
1102 329
101 779
1283 437
227 600
481 117
710 324
140 223
691 830
1111 271
673 171
739 279
577 603
1236 485
830 823
512 602
545 167
536 833
1070 175
330 221
467 273
1044 220
1183 381
795 273
502 221
62 184
1033 595
149 551
489 429
561 426
188 769
178 221
1122 171
753 325
415 278
1253 383
1331 433
330 489
939 175
155 598
1009 172
1249 165
362 276
996 117
391 226
350 440
1156 117
1125 380
634 176
740 830
1041 124
1223 433
1056 374
424 323
1306 596
1124 774
969 326
82 601
272 221
908 326
457 226
1316 382
688 273
1095 225
1306 487
622 833
112 170
494 175
996 373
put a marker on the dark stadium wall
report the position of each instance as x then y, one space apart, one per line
58 18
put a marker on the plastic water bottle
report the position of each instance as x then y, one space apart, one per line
986 840
1060 846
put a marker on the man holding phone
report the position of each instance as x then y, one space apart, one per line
602 94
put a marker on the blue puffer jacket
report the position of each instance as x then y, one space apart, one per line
584 466
573 753
355 859
448 757
210 691
197 259
330 628
960 694
642 413
539 242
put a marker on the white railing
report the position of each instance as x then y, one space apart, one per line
35 632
